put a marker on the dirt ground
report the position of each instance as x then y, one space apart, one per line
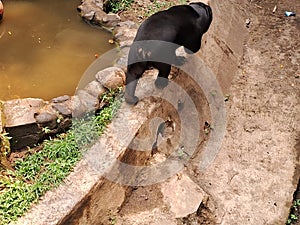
267 86
273 79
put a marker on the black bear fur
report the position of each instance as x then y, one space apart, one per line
182 25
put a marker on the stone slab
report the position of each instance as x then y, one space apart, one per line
182 195
21 111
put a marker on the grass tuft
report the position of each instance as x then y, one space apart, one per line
294 213
116 6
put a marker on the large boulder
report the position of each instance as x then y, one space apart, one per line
111 77
20 122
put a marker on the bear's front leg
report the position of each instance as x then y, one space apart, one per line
179 60
161 82
162 78
134 72
130 98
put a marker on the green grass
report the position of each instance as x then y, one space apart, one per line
294 213
116 6
160 5
45 169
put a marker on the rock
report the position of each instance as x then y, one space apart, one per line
61 99
182 195
126 43
111 77
83 103
56 117
62 109
20 121
27 118
24 135
107 20
92 10
128 24
21 111
95 89
46 119
98 3
88 8
122 61
89 15
87 100
125 33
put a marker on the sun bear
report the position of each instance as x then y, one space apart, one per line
182 25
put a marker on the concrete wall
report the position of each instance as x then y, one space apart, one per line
224 43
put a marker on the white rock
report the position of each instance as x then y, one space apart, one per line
182 195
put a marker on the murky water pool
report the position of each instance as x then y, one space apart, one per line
45 47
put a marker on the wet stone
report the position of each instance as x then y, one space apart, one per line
61 99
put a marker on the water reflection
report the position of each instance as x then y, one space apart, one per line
45 47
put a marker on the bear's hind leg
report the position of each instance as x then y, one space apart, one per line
134 72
